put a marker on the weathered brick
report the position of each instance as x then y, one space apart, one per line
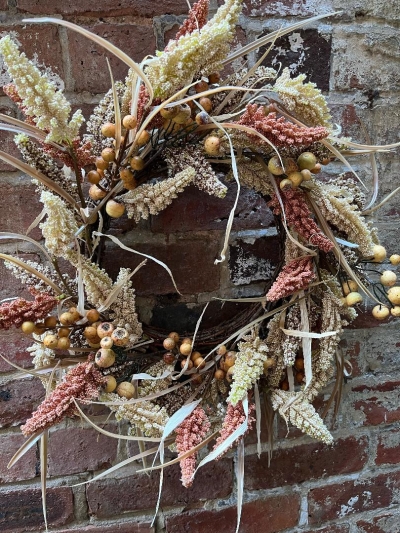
254 260
342 528
195 210
305 462
19 205
131 527
388 451
25 468
13 347
127 492
35 41
83 450
7 143
378 403
364 59
383 523
199 254
142 8
304 51
21 510
351 497
90 69
268 8
4 5
18 398
269 515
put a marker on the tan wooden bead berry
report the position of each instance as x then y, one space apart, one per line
50 322
201 86
185 348
63 332
28 327
285 184
63 343
105 329
50 341
92 315
307 160
388 278
174 335
126 390
219 375
104 358
111 384
190 364
199 363
129 122
108 129
296 178
206 104
93 177
101 163
212 145
67 319
395 259
380 312
353 298
108 154
143 138
394 295
106 342
169 344
96 193
137 163
115 209
275 166
349 286
120 337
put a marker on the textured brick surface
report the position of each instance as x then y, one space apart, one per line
388 451
18 398
139 491
351 497
200 254
142 8
90 70
21 510
305 462
383 523
19 206
76 450
268 515
131 527
25 468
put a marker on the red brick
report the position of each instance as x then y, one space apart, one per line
89 69
25 468
305 462
350 497
384 523
18 398
13 347
195 210
269 515
131 527
19 205
142 8
132 492
82 450
379 403
35 39
21 510
198 255
4 5
388 451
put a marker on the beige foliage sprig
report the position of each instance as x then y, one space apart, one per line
148 199
197 53
296 409
303 99
248 367
42 100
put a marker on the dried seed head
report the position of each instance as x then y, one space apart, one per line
120 337
104 358
105 329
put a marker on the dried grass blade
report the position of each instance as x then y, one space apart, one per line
239 471
258 417
336 152
121 245
272 36
369 147
100 41
124 463
386 199
27 169
23 370
43 472
17 130
27 445
306 340
28 129
117 111
308 334
19 236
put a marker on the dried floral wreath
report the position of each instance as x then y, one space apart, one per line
272 132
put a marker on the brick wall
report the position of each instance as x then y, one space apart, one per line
351 486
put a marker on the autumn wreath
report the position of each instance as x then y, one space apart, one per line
270 132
